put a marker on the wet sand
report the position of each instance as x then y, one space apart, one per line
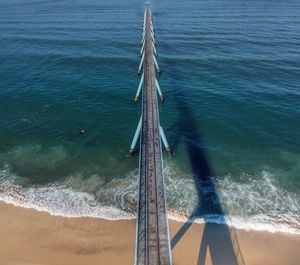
31 237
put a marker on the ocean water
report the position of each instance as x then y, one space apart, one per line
231 77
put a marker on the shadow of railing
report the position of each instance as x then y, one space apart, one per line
219 239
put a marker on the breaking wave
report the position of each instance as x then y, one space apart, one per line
248 202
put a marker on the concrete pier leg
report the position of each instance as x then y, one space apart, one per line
136 137
153 39
156 65
151 28
152 31
139 88
154 49
143 38
141 63
159 90
142 49
164 139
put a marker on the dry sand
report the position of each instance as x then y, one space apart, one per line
31 237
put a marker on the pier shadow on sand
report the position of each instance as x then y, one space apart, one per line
218 240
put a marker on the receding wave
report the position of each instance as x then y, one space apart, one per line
249 202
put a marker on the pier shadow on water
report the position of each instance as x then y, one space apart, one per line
218 241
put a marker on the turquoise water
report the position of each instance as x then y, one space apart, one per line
231 76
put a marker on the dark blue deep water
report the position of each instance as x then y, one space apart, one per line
231 76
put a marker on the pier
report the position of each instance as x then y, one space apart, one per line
152 238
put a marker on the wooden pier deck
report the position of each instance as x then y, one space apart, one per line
153 243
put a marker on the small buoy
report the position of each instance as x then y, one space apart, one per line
82 131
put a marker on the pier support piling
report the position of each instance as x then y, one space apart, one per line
159 90
164 140
141 63
154 49
142 49
136 137
156 64
143 39
153 39
139 88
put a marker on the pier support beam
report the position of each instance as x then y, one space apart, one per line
164 139
153 39
141 63
136 137
142 49
154 49
156 64
139 88
159 90
143 39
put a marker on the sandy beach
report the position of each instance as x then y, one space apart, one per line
32 237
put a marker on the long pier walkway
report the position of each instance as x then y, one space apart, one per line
152 240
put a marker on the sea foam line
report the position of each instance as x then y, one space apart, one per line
114 214
91 210
61 200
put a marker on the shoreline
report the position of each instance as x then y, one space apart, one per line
233 222
62 199
33 237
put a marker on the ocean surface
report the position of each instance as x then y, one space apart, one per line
231 77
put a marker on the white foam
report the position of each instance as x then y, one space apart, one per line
256 223
56 200
248 202
267 207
